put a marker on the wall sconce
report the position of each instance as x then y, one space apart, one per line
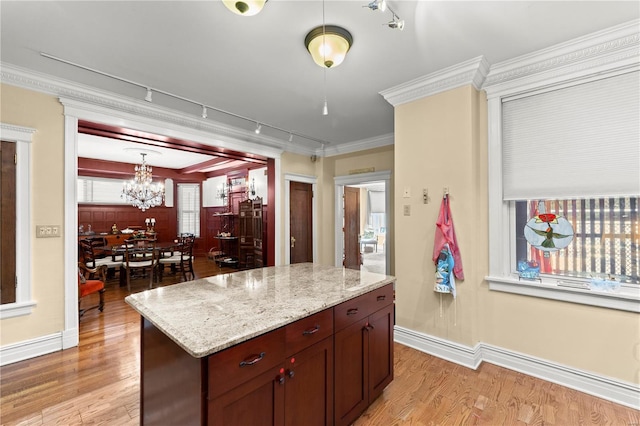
251 188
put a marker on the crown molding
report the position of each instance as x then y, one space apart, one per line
361 145
611 50
473 71
84 100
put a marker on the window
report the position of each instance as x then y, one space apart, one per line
22 139
573 147
189 208
606 242
100 190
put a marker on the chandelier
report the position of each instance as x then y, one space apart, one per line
141 192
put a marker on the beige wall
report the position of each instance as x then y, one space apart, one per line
44 113
441 142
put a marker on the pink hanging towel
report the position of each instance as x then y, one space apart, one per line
446 234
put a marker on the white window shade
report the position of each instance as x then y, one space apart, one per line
574 142
189 208
376 202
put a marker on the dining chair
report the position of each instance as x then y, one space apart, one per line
92 259
181 259
140 256
91 281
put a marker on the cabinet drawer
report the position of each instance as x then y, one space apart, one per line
351 311
380 298
244 361
307 331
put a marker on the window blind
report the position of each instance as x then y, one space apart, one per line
100 190
189 208
376 202
581 141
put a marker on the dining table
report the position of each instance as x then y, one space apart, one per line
162 249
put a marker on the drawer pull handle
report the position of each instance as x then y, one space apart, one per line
311 330
252 359
381 298
352 311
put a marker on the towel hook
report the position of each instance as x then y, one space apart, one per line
445 191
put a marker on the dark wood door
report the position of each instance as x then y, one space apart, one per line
8 222
351 227
301 221
351 373
257 402
380 339
309 393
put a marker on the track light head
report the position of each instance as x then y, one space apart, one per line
399 24
149 95
258 128
204 111
380 5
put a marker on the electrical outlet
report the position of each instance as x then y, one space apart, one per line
47 231
407 210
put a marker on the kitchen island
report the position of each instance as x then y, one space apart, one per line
295 344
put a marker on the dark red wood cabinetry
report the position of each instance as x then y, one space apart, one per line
321 370
363 352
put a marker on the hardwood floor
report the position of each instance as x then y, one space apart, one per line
98 383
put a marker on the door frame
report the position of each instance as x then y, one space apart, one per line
350 180
135 115
293 177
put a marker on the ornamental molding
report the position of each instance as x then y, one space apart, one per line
612 50
356 146
13 133
473 71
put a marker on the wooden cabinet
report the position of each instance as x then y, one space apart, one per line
321 370
254 383
363 352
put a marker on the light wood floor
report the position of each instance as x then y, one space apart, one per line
98 383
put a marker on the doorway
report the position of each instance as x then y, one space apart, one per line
300 219
290 181
372 231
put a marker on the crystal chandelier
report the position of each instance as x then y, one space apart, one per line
141 192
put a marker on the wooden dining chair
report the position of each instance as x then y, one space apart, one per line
181 259
92 259
91 281
140 256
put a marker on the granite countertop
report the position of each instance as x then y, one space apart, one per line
207 315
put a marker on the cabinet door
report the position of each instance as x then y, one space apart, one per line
309 386
380 335
258 402
351 373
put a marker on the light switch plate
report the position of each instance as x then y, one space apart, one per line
47 231
407 192
407 210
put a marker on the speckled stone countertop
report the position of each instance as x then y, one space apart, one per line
207 315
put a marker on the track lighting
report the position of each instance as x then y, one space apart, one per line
258 128
204 111
149 94
380 5
396 23
290 137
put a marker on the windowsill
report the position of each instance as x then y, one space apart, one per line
626 299
11 310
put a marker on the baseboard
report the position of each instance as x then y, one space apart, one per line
617 391
31 348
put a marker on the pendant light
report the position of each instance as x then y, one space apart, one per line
246 7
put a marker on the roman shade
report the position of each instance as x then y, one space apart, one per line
580 141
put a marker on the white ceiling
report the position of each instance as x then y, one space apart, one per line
257 67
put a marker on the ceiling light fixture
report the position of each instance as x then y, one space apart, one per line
149 95
290 137
380 5
328 45
141 192
258 128
204 111
396 23
245 8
